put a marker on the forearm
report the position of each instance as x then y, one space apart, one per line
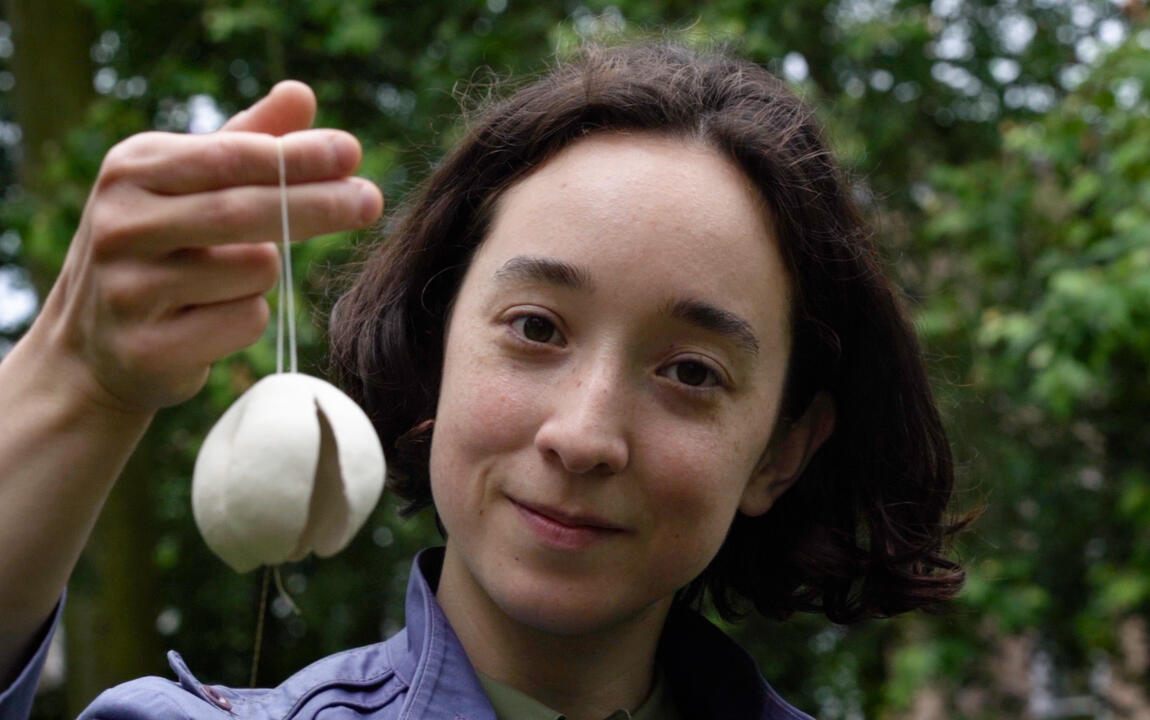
60 453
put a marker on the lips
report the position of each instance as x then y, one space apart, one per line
565 530
573 520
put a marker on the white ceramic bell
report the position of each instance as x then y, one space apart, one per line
293 466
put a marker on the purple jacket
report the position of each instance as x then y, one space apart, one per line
421 672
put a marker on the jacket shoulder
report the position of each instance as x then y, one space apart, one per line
363 678
150 698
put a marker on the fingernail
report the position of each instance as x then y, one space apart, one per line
369 201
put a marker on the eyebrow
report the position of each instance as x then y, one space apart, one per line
545 270
717 320
696 312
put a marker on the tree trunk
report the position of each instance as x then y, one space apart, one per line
112 607
53 69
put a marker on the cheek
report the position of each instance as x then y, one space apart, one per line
698 481
696 488
482 412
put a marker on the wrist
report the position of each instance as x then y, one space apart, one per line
35 376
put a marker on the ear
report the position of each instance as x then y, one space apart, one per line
787 456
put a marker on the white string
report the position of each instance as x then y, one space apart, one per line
285 291
280 284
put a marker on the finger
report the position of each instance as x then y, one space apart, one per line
206 333
171 164
209 275
150 291
252 214
163 355
288 107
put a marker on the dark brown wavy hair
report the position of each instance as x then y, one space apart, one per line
862 532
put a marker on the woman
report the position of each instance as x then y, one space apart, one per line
631 339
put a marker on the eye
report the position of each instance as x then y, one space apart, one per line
536 329
693 373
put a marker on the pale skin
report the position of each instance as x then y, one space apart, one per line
165 275
613 371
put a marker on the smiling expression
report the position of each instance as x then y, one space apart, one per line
613 368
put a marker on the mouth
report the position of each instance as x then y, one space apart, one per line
565 530
572 520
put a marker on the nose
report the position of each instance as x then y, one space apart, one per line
585 429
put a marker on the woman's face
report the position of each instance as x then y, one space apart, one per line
613 367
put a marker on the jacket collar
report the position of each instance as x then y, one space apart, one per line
430 659
710 675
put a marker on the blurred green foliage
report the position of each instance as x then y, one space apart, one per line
1002 149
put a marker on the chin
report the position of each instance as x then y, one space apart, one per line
582 613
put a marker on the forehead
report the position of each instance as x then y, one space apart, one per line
648 212
678 185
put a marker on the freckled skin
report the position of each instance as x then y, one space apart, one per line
600 422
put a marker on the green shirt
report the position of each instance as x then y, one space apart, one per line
510 704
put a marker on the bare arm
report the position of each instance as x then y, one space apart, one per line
166 274
60 453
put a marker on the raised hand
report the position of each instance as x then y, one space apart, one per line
165 275
168 269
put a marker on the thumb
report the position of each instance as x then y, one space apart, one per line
288 107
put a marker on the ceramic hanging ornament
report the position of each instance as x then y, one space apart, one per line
294 466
